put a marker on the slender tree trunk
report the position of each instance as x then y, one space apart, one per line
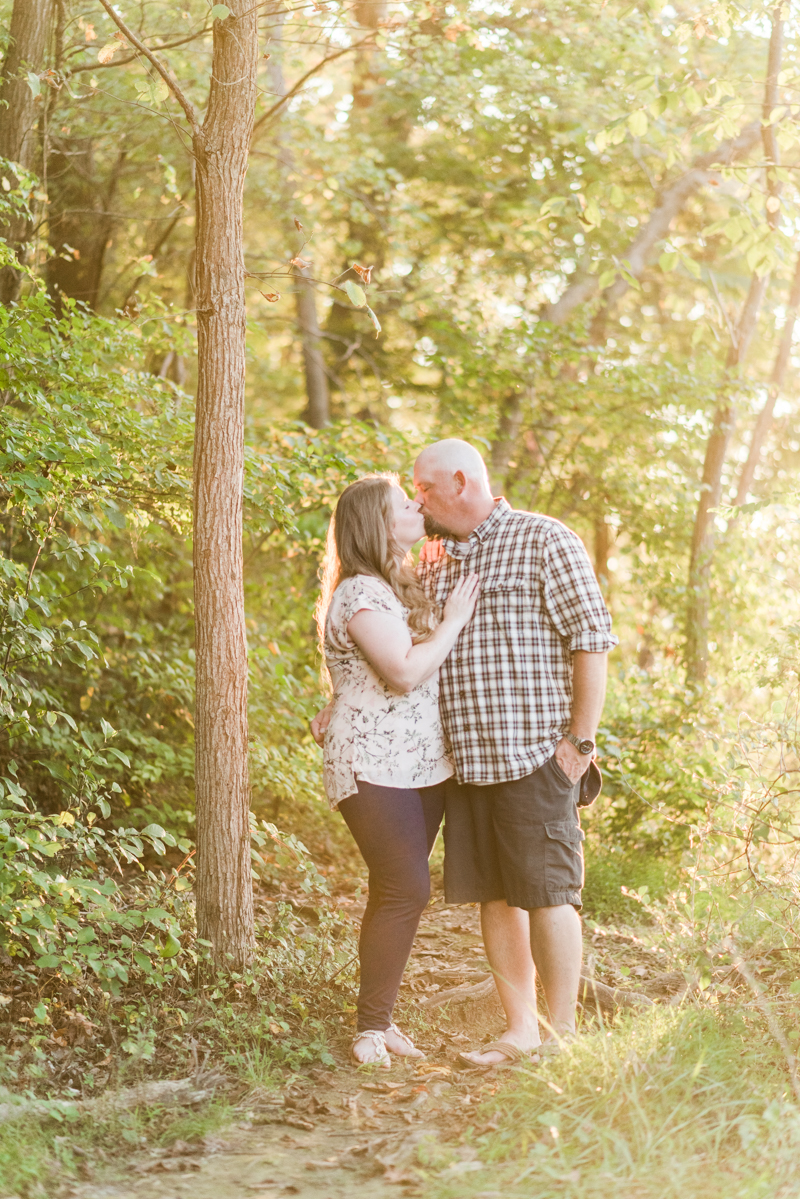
508 427
764 421
317 409
31 22
224 878
724 421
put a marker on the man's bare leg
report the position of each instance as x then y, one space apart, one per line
507 938
557 947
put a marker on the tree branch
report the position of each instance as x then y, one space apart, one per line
262 120
670 203
121 62
165 73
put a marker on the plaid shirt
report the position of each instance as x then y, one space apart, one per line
506 688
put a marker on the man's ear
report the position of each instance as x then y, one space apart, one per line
460 481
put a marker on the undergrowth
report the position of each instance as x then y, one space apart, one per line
677 1102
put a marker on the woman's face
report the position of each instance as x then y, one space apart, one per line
408 525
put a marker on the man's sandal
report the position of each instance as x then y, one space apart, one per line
413 1052
512 1053
378 1039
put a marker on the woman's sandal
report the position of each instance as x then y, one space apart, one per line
413 1051
512 1053
378 1039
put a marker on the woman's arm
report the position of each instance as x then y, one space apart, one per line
386 642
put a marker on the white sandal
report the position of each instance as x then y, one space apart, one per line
378 1039
415 1053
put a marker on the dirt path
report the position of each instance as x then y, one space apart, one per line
344 1134
336 1133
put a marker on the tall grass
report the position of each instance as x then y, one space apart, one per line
678 1103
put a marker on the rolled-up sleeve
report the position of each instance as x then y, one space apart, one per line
572 597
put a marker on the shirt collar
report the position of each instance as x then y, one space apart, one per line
460 549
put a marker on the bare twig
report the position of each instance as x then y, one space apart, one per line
164 71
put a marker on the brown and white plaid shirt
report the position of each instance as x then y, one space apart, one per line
506 689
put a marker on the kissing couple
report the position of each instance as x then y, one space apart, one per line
471 688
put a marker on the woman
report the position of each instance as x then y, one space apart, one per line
384 752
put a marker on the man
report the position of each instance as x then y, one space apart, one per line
520 696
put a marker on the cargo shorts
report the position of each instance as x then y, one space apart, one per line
519 841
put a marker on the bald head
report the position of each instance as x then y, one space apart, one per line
453 455
452 487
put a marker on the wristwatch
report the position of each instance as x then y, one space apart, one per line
583 745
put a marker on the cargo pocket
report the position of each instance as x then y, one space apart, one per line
563 866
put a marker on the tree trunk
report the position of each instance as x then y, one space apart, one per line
764 421
317 409
224 878
508 427
724 422
28 37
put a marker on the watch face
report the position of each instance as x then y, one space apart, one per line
586 747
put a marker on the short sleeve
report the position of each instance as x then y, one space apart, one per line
572 595
354 595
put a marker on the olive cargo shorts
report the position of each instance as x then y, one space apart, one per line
520 841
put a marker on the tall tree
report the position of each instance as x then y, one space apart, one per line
31 22
220 144
724 419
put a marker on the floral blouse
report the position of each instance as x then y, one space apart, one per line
376 734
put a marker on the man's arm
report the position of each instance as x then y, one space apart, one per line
588 694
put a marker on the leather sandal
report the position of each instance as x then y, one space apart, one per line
512 1053
378 1039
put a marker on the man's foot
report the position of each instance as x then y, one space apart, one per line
494 1054
369 1049
399 1044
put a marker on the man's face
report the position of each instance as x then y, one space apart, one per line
437 493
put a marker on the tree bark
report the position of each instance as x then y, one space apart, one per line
670 202
764 421
724 420
221 147
317 411
508 427
31 22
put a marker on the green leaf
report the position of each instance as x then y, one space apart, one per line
355 294
794 989
170 948
376 323
34 83
691 99
637 123
607 278
692 267
220 12
668 261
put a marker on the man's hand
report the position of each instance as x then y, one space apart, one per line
571 760
431 550
319 725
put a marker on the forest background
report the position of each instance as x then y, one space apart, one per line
567 232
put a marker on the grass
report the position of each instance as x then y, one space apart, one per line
678 1103
37 1156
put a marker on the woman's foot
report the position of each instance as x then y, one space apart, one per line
399 1044
369 1049
485 1059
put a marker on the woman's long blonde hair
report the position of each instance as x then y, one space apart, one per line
360 542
